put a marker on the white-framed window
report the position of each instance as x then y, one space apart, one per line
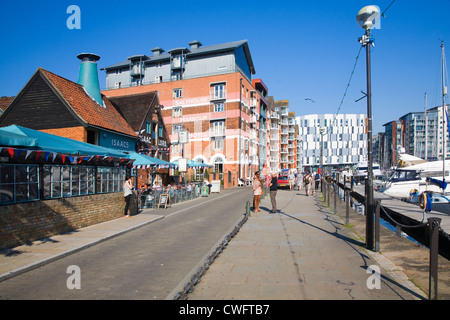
219 107
218 167
177 112
219 91
218 144
176 128
177 93
218 128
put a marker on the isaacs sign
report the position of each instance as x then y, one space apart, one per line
115 141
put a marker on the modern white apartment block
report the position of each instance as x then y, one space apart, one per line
343 137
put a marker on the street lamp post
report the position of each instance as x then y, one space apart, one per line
367 17
322 132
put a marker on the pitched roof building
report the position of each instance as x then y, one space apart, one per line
55 105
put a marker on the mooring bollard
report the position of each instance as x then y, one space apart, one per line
328 194
433 224
335 196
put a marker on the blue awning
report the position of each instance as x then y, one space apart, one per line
53 143
195 164
11 139
142 161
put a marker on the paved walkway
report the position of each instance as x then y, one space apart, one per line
27 257
301 252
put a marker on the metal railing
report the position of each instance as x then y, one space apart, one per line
431 227
149 199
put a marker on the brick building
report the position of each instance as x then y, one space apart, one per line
209 92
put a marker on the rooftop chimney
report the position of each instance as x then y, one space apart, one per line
195 44
88 76
157 51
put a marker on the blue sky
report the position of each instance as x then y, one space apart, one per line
301 49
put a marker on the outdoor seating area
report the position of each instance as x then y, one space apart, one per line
149 198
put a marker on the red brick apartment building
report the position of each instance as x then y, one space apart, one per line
209 92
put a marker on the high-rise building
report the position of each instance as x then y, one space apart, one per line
341 139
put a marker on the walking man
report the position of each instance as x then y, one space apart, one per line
273 191
317 180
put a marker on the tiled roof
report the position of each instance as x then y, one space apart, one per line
135 107
5 102
86 108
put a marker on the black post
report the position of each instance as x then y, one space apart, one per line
369 191
335 195
328 194
377 225
433 224
347 207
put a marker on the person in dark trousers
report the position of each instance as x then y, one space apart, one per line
273 191
127 186
317 180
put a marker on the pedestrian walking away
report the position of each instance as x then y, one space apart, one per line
291 181
273 191
317 180
127 186
257 191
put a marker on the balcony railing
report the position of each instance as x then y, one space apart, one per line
218 95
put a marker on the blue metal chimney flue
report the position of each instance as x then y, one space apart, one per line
88 75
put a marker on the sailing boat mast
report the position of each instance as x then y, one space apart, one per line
444 127
426 129
444 113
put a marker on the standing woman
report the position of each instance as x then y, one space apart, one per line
257 191
127 186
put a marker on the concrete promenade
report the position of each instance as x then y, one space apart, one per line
302 252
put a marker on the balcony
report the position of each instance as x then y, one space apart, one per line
137 71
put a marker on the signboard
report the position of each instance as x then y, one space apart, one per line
115 141
215 186
182 164
183 136
204 191
164 200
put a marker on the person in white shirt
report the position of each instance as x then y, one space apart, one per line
127 193
291 177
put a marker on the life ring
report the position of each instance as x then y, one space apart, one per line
422 200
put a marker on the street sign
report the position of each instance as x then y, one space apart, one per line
182 164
